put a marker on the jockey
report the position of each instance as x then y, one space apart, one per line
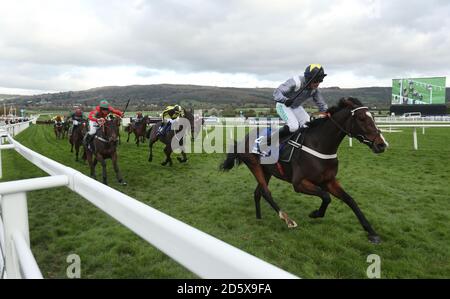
58 119
97 118
137 119
77 118
290 109
172 113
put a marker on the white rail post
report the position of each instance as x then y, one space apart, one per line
415 138
15 220
350 141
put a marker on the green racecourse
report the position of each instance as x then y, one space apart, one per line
405 194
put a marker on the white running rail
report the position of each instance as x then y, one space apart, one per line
199 252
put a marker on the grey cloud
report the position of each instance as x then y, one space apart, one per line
268 39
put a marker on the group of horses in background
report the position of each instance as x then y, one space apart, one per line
61 128
104 144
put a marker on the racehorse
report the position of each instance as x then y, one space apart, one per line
66 127
139 129
105 147
195 124
58 128
76 138
314 172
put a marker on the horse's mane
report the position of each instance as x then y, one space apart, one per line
342 104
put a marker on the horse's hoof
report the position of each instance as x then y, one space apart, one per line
315 214
291 223
375 239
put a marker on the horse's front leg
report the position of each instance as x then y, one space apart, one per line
117 170
150 145
93 164
77 150
335 188
103 163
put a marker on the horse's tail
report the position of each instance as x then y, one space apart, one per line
231 159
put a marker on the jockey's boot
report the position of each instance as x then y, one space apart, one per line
163 129
87 139
266 141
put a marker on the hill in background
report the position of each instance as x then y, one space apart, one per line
154 97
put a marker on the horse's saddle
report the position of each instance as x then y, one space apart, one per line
164 128
286 146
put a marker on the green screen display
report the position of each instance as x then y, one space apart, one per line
415 91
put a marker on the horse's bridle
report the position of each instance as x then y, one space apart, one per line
359 137
104 133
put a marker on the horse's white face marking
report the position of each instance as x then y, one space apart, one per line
381 135
384 140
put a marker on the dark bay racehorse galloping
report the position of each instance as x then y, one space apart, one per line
58 128
310 174
76 139
139 129
105 147
66 127
196 125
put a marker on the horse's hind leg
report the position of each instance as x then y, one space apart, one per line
309 188
258 172
335 189
150 145
257 197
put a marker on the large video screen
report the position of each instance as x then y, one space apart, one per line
418 91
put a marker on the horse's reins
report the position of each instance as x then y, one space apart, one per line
104 133
359 137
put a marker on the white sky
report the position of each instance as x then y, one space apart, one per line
48 45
